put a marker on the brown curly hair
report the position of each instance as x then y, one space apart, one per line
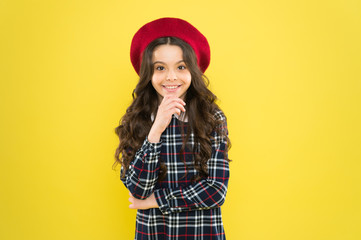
136 123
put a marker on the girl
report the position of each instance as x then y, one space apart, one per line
173 137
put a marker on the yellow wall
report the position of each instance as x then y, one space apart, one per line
288 77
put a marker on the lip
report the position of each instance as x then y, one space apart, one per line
172 89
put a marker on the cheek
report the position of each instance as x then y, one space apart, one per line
156 79
187 78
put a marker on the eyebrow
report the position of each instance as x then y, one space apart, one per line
164 63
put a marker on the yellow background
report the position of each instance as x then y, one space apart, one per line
288 77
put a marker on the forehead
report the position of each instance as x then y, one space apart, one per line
167 53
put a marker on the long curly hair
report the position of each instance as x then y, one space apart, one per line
200 108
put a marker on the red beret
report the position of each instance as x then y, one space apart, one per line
170 27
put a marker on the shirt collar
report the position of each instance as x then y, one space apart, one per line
182 117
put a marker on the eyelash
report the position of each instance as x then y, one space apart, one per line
157 68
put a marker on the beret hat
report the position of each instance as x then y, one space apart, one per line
169 27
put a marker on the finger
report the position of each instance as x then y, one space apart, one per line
178 100
177 105
165 110
131 206
174 110
169 110
167 98
172 98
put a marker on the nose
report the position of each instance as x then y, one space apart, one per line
171 75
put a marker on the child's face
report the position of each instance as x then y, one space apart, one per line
171 75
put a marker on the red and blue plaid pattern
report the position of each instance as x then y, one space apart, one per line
187 211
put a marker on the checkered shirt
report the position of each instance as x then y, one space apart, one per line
187 211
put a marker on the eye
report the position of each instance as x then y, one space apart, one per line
160 68
182 67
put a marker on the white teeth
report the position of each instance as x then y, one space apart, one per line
171 87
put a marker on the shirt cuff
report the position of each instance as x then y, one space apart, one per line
150 150
155 146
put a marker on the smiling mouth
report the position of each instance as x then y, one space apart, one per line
171 86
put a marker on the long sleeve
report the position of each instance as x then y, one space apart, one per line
143 171
205 194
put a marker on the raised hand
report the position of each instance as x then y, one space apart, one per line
169 106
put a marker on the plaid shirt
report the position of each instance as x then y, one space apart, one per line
186 210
